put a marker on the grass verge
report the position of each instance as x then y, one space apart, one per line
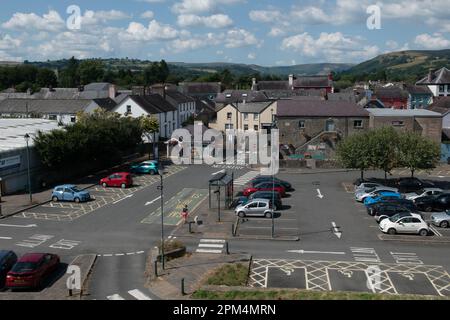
229 275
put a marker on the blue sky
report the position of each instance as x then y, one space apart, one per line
264 32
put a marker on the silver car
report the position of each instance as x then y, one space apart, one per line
423 193
367 185
372 192
441 219
255 208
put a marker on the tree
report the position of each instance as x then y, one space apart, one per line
70 77
149 126
354 153
46 78
417 152
91 71
383 149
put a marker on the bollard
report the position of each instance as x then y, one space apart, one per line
183 293
190 226
227 248
156 268
232 230
70 293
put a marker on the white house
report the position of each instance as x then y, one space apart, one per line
151 105
438 82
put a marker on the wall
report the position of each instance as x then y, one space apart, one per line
222 118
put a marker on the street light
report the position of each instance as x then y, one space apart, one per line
161 188
273 182
27 139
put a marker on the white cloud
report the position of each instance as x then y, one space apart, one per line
93 18
265 16
50 21
200 6
155 31
213 21
147 14
237 38
251 56
9 43
432 42
276 32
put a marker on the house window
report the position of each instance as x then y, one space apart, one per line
398 123
165 117
301 124
256 128
52 117
228 126
245 127
229 115
441 88
128 110
174 126
256 116
73 119
357 124
245 116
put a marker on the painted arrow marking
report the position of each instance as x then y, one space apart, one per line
127 197
336 230
153 201
319 194
315 252
18 226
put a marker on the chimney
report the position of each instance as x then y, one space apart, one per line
430 75
291 80
112 91
253 81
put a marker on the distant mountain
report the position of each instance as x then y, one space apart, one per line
412 64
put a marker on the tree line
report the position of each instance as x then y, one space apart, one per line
387 149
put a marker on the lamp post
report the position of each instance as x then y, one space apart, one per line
273 183
161 188
27 139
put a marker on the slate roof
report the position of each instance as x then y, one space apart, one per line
107 103
312 82
283 94
403 113
153 103
230 96
342 96
296 108
440 105
413 89
442 76
272 85
196 88
390 93
178 96
253 107
97 86
44 106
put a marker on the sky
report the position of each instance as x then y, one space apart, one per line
263 32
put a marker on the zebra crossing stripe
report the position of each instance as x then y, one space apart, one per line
207 245
211 246
212 241
208 251
115 297
138 295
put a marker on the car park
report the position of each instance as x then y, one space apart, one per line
119 179
255 208
287 186
423 193
269 195
70 193
265 186
433 203
7 261
402 223
373 192
382 196
146 167
441 219
31 270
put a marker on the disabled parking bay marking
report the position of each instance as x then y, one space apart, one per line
286 278
65 244
34 241
412 283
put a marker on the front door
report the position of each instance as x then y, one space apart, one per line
330 126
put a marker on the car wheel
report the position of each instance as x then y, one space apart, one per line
268 215
152 172
104 185
392 231
241 214
123 186
55 199
444 224
423 232
77 200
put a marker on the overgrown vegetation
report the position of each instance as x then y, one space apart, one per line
171 245
229 275
97 139
387 149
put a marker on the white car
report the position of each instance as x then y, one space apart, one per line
367 185
423 192
405 223
372 192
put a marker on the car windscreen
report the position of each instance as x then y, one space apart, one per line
369 190
75 189
419 192
24 267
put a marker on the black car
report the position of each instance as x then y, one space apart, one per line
269 196
7 260
406 185
388 210
433 203
287 186
408 204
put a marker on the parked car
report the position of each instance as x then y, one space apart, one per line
441 219
31 270
7 260
255 208
433 203
265 186
359 181
367 185
382 196
239 201
287 186
423 193
119 179
402 223
269 195
407 185
69 192
361 195
391 210
407 204
146 167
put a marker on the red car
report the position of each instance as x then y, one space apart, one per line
119 179
31 270
265 186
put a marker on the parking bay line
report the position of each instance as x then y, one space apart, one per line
5 238
278 228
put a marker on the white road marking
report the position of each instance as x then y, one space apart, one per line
435 231
406 258
65 244
5 238
319 194
119 254
115 297
139 295
336 230
34 241
153 201
316 252
212 240
208 251
18 226
365 254
124 198
206 245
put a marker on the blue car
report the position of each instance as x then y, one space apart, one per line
382 197
70 193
